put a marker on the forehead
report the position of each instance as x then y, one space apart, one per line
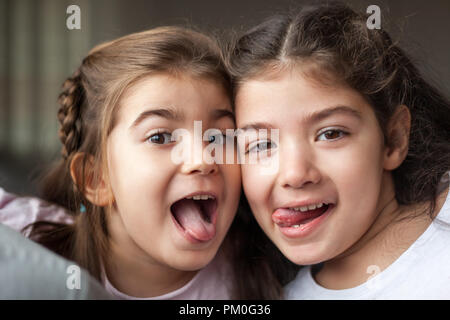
291 93
185 93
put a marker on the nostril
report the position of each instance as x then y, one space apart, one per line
202 168
298 180
297 184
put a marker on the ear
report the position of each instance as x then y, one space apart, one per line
95 189
397 132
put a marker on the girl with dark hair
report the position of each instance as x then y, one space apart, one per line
360 196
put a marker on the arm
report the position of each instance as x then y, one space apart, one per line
17 212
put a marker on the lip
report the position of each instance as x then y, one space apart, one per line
213 216
307 228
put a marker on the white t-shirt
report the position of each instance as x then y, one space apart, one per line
421 272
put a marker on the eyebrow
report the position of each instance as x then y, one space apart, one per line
257 126
313 117
217 114
162 112
171 114
320 115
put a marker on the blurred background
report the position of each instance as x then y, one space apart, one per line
38 52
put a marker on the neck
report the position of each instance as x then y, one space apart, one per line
391 234
132 271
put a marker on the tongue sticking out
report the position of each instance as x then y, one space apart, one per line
288 218
190 216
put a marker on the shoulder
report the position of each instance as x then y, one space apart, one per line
442 209
17 212
217 277
295 289
443 204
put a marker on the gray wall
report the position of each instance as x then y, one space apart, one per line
37 53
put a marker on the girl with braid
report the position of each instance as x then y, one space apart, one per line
142 224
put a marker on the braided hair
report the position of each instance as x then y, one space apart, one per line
89 103
69 114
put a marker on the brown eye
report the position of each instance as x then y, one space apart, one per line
160 138
330 135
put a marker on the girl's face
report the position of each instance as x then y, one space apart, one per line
330 179
153 219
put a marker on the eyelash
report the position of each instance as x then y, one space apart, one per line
267 142
158 132
163 131
223 136
327 130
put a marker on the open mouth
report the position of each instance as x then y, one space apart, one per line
297 217
196 216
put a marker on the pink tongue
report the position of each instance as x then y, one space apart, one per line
189 216
287 218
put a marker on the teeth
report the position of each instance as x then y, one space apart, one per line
201 197
310 207
296 226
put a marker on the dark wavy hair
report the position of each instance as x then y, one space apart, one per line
335 39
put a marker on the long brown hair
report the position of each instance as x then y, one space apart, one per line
88 105
335 39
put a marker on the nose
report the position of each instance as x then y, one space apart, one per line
201 168
297 167
199 165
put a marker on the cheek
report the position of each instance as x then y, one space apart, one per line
139 166
356 164
257 188
232 184
363 173
138 177
232 175
356 172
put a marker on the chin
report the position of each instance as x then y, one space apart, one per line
303 256
193 260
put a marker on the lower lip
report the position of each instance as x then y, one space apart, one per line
307 228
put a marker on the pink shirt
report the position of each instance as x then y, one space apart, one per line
17 212
211 282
